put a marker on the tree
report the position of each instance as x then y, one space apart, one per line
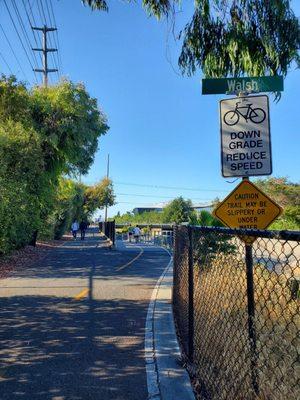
67 207
233 37
287 195
178 211
207 219
280 189
69 123
25 194
14 99
75 200
65 117
45 133
98 196
147 217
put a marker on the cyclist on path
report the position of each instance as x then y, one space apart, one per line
136 233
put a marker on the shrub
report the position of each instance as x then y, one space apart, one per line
24 194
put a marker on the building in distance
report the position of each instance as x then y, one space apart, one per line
198 207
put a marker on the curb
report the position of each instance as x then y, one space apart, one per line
166 378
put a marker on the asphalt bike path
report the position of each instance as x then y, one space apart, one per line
73 324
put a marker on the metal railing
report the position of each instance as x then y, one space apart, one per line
236 307
156 234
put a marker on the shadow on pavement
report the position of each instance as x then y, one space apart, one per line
75 263
57 348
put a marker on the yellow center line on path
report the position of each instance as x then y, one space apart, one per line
82 294
131 261
85 292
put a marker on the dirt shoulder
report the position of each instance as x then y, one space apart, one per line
27 255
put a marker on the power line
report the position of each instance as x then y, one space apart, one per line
56 35
5 62
23 29
55 59
48 12
31 24
133 202
22 44
155 196
13 52
45 50
42 8
170 187
45 22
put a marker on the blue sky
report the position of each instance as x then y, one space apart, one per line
163 132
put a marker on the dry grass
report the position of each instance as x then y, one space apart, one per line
277 322
222 350
26 256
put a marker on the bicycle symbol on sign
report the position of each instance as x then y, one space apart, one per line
256 115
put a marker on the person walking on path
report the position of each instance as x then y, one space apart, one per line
74 228
83 227
136 234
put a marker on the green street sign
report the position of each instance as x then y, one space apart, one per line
235 85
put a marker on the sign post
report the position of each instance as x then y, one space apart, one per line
246 151
245 136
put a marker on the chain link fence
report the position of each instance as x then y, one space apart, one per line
236 307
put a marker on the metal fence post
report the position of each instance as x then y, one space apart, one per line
191 295
113 232
251 316
175 282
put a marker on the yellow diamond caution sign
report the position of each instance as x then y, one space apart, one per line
247 207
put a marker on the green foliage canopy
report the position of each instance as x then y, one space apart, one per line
287 195
150 217
284 192
178 211
241 37
233 37
75 200
45 133
70 123
66 119
207 219
98 196
67 206
25 195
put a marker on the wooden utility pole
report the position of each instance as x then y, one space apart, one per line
107 176
45 50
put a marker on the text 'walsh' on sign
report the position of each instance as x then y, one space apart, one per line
246 84
247 207
245 136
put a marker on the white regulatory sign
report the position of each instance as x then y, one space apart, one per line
245 136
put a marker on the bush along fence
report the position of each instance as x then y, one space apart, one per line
236 307
108 228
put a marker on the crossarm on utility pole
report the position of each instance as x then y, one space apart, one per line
45 50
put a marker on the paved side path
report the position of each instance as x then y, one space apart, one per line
72 326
